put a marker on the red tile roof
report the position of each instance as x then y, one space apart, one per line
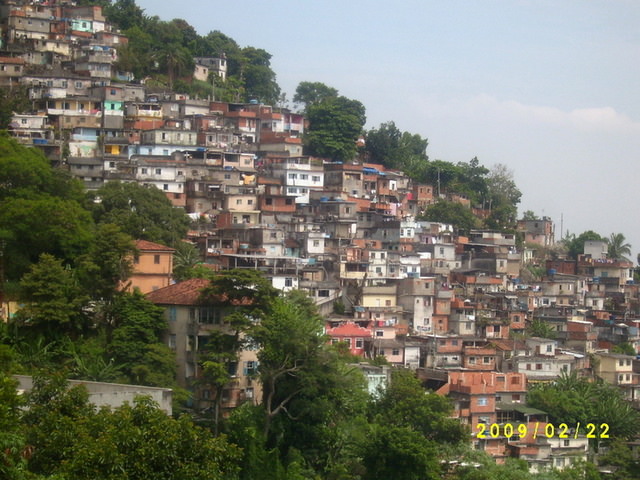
349 329
144 245
13 60
183 293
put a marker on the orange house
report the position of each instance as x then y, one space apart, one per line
152 267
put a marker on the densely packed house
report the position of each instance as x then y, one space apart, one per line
417 293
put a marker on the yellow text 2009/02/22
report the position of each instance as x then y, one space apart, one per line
542 429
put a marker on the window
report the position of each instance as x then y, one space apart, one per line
486 360
359 343
158 171
288 282
538 366
227 176
549 348
315 178
304 176
379 333
472 360
165 186
172 341
268 201
250 368
238 201
209 315
250 202
483 401
156 259
173 314
395 351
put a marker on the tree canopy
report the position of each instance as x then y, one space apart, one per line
335 124
140 211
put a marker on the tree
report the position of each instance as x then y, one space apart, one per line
571 399
405 403
259 79
13 451
530 215
617 248
399 452
575 244
53 300
71 439
40 210
334 126
176 60
451 212
141 212
185 260
126 14
108 262
289 342
542 329
13 99
504 197
244 297
624 348
400 150
136 344
53 225
313 93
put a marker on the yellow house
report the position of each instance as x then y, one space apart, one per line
152 267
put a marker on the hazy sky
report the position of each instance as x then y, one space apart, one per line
549 88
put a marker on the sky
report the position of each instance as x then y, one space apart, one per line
549 88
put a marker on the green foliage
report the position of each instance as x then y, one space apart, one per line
405 403
571 399
185 260
451 212
313 93
399 452
14 99
40 210
259 79
504 197
575 244
53 300
618 248
530 215
624 348
542 329
621 458
12 441
334 126
136 344
141 212
400 150
108 262
137 442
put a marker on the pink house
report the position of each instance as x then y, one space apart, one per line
352 334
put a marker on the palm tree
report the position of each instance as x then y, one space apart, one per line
618 249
